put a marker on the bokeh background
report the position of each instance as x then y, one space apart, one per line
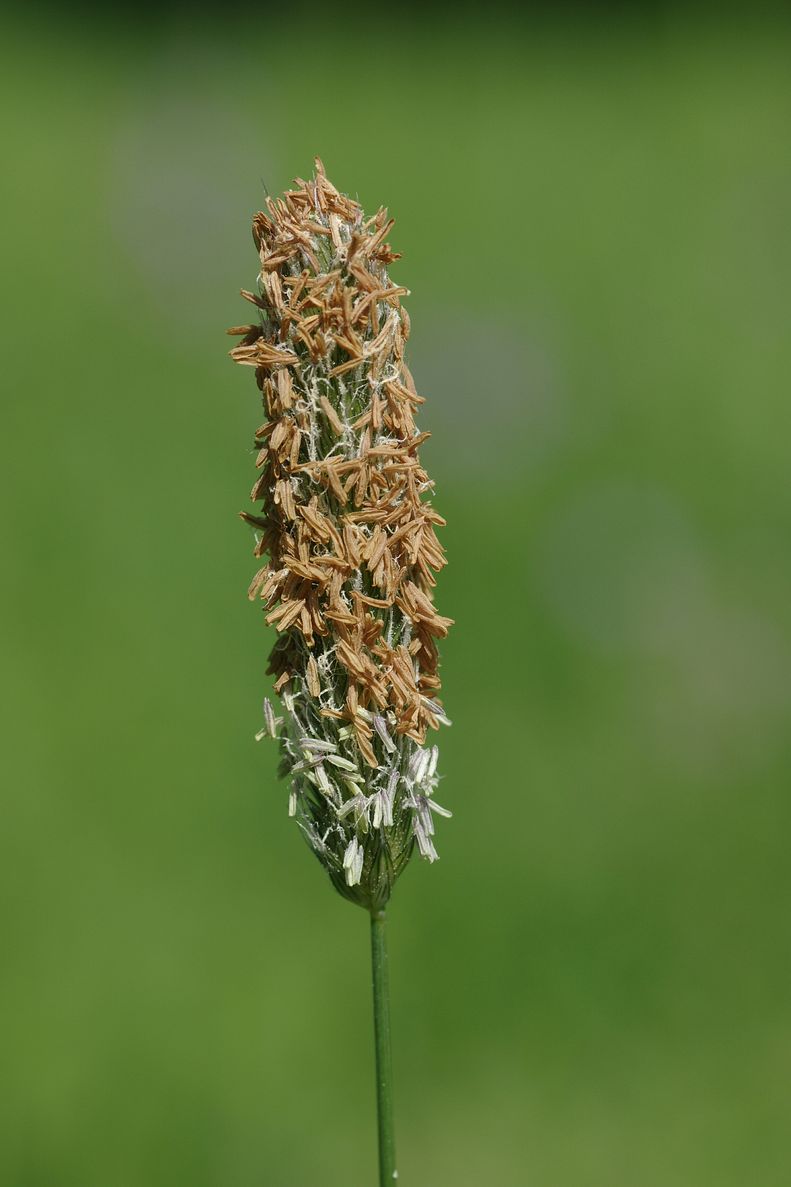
592 987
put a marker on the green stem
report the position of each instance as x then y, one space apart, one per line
384 1062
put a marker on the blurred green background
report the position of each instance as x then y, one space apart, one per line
592 988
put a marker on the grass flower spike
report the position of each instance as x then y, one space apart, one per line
349 534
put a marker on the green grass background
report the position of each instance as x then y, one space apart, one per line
592 987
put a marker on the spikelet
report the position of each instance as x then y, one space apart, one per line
349 533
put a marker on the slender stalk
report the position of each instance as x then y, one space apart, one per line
384 1062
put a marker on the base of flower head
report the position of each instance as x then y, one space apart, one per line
362 824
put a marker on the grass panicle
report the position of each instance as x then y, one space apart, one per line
345 522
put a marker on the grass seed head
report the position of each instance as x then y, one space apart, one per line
346 522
